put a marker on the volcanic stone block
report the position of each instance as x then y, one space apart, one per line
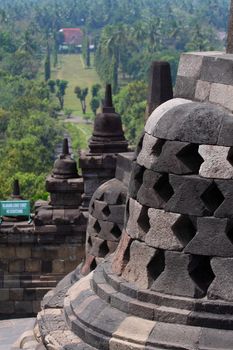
155 190
104 229
172 157
121 257
16 294
138 223
183 276
202 91
7 307
99 247
16 265
23 252
221 287
161 110
135 180
225 134
7 251
179 123
175 336
137 269
211 238
185 87
111 192
168 230
217 70
151 149
190 65
225 209
58 216
194 195
23 307
102 211
215 339
4 294
96 207
58 266
33 265
43 216
216 163
134 328
222 94
112 246
124 168
176 157
73 216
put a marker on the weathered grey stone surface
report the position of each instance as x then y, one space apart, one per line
211 238
137 270
137 225
151 147
176 279
168 231
161 110
225 209
103 211
121 257
179 123
135 180
187 85
225 135
221 287
217 69
190 65
155 190
202 92
169 156
221 94
192 195
215 163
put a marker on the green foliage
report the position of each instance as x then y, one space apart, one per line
58 88
52 86
95 103
28 150
128 35
130 103
4 120
80 134
47 68
86 50
81 95
95 90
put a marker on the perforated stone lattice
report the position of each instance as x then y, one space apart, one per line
106 219
178 203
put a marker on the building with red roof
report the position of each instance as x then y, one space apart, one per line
72 36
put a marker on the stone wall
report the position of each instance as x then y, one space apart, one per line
206 76
32 263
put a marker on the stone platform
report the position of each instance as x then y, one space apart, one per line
11 329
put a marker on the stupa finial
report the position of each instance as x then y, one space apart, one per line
108 105
229 48
65 147
16 188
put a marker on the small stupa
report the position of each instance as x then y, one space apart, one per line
99 163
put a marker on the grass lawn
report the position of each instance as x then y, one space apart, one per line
79 134
71 68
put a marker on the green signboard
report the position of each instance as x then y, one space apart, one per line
15 208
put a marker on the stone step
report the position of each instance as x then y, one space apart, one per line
105 327
119 296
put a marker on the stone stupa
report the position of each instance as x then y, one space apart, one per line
99 163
